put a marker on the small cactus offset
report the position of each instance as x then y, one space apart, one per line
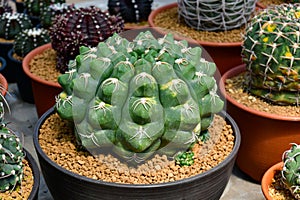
29 39
49 13
131 11
11 157
13 23
36 7
5 7
82 26
271 52
141 97
291 170
216 15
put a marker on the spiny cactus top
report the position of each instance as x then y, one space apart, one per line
271 52
82 26
36 7
29 39
216 15
5 7
131 11
12 23
291 170
11 156
139 97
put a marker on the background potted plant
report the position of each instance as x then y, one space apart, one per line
146 81
271 55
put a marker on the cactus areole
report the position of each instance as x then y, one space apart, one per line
271 52
141 97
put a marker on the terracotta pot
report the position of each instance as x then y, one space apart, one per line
44 92
3 85
267 179
264 136
225 55
66 185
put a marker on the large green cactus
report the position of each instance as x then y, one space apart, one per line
11 156
291 170
139 97
271 52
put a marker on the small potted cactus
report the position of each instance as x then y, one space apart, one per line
266 3
10 25
282 179
26 41
271 55
136 100
134 13
210 17
15 160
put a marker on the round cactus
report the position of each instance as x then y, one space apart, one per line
36 7
29 39
139 97
271 52
82 26
11 157
216 15
13 23
131 11
291 170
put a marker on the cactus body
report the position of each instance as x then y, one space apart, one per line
216 15
82 26
139 97
29 39
13 23
291 170
272 54
36 7
131 11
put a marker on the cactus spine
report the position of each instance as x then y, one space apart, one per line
272 54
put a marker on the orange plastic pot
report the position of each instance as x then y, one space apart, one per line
225 55
267 179
264 136
44 92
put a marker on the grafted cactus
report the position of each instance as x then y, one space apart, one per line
131 11
139 97
82 26
29 39
216 15
11 156
13 23
291 170
272 54
36 7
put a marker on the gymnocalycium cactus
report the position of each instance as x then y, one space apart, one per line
13 23
29 39
36 7
271 52
216 15
291 170
131 11
139 97
11 156
82 26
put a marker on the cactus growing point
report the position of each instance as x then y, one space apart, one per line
141 97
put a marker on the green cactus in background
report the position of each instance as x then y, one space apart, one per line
291 170
36 7
11 156
216 15
139 97
13 23
271 52
29 39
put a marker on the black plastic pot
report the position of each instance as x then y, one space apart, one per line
66 185
36 176
3 63
23 81
7 72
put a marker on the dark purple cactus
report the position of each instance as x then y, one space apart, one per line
5 7
81 26
131 10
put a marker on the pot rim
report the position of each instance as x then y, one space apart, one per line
267 179
234 71
225 162
4 84
29 57
155 12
